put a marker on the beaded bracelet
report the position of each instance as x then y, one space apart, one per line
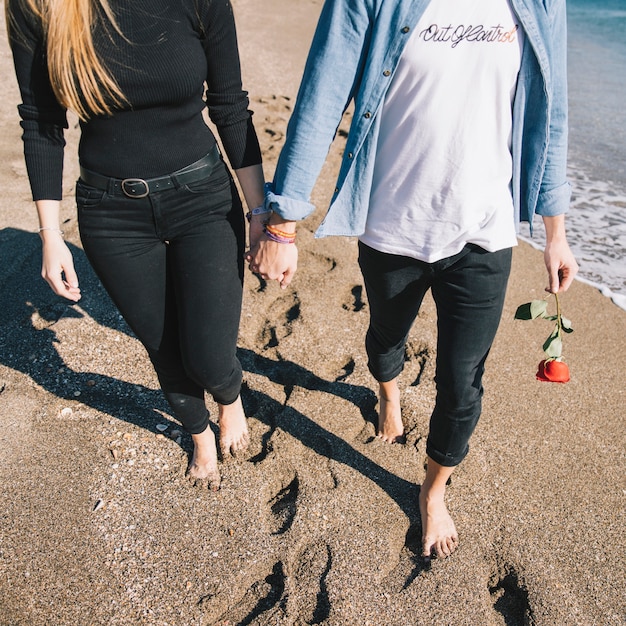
55 230
260 210
279 236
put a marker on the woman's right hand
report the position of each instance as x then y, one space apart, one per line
57 267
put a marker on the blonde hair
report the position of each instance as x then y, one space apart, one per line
79 79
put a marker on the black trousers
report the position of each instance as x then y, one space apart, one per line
172 263
468 289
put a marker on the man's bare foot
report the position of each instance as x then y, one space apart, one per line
438 530
202 470
234 435
390 426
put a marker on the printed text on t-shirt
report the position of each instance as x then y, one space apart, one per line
480 33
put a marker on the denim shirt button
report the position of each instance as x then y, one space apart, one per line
387 73
405 30
336 189
367 115
350 155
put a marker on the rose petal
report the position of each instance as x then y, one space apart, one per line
556 371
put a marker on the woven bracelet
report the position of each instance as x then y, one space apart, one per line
279 237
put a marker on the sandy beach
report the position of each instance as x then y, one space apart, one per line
318 522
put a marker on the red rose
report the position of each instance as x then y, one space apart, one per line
552 371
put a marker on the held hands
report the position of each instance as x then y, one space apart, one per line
57 267
270 259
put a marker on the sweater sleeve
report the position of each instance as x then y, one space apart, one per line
43 118
226 100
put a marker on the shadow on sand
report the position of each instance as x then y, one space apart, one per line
31 350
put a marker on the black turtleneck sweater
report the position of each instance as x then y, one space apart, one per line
171 50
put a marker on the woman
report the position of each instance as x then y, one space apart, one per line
159 215
459 132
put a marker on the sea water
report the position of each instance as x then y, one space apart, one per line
596 222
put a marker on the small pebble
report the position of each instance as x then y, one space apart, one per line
160 436
66 412
99 504
161 427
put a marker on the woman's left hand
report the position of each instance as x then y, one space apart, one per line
256 229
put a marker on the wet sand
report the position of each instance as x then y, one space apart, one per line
318 522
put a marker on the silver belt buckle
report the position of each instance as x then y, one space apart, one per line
134 181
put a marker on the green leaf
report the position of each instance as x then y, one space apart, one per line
553 346
566 325
538 308
531 310
523 312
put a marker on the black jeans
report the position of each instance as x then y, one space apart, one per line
172 263
468 289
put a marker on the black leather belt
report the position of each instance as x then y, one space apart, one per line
140 188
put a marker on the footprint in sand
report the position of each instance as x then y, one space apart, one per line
308 594
285 312
264 602
510 597
283 505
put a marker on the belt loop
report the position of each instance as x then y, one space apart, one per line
176 182
111 187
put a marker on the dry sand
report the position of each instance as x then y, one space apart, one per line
318 524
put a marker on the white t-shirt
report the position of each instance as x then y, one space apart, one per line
443 168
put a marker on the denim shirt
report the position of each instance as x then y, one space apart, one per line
354 54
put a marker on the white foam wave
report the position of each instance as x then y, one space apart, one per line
596 231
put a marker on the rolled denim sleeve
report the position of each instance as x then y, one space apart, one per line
332 72
555 191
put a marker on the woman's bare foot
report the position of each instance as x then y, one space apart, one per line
234 435
202 469
390 426
439 534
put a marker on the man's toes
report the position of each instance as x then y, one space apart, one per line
427 549
232 448
440 549
200 483
243 442
225 450
214 482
